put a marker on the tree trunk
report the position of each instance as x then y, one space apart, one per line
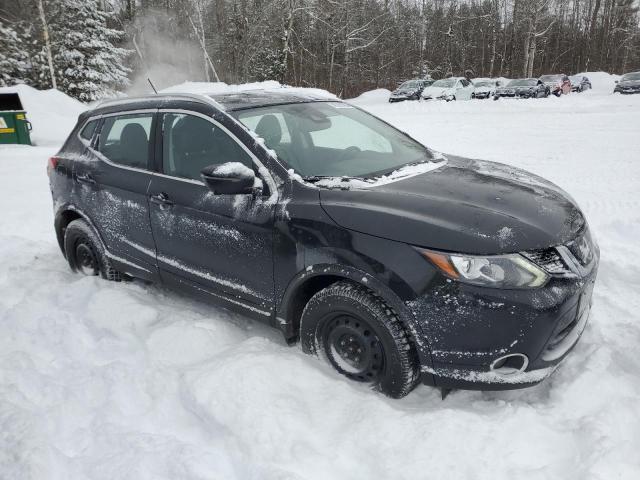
47 43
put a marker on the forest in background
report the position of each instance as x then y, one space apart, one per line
97 48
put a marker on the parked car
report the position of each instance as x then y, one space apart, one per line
628 83
484 88
393 263
580 83
558 84
453 88
523 88
409 90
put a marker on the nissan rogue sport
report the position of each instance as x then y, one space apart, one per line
394 263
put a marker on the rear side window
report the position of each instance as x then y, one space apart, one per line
88 130
124 139
192 143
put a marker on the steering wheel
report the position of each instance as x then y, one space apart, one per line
349 152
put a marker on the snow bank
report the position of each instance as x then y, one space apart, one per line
52 113
602 82
218 88
372 96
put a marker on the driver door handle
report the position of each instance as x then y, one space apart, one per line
161 199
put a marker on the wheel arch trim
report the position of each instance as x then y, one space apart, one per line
288 310
58 216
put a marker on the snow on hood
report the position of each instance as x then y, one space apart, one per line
52 113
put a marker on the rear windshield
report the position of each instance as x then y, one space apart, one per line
332 139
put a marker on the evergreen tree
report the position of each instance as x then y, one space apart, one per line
13 65
88 63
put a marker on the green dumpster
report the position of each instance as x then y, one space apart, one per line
14 126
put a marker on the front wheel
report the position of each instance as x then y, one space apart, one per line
361 337
85 253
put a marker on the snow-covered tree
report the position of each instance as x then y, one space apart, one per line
88 63
13 65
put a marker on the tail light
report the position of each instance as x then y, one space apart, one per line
52 164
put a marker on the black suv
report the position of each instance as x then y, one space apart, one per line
394 263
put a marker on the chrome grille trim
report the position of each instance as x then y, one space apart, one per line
550 260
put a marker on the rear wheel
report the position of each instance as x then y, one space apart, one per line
85 253
361 337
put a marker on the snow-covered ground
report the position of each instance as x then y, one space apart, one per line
126 381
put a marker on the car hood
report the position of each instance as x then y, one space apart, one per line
436 92
466 206
483 89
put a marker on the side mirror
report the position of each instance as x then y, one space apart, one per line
231 178
616 81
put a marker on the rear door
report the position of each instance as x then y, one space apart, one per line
220 245
111 183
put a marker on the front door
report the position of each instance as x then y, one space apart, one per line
219 244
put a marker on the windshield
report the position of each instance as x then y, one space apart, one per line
575 79
524 82
483 83
630 76
332 139
411 84
445 83
550 78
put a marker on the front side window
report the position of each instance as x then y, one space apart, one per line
124 139
333 139
191 143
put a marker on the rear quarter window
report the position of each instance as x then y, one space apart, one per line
88 130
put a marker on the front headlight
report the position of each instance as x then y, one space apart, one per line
497 271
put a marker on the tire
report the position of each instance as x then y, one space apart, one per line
361 337
85 252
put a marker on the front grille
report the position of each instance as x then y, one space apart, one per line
549 260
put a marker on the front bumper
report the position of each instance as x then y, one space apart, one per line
470 329
627 89
481 95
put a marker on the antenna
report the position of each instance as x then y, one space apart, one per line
152 86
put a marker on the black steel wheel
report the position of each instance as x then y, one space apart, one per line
352 347
361 337
85 259
85 252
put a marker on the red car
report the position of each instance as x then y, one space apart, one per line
558 84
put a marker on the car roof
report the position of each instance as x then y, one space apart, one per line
223 101
265 98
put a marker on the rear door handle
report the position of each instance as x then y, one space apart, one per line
86 178
161 199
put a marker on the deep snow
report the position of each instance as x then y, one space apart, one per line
118 381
